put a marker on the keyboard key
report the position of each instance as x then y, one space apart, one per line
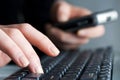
89 76
33 76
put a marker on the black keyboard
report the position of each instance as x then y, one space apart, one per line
72 65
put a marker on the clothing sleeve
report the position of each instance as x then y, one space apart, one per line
11 11
37 12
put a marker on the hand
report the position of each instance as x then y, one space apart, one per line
62 12
15 44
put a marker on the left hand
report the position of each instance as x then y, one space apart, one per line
62 12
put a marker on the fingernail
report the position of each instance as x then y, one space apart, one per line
24 62
38 69
82 32
54 50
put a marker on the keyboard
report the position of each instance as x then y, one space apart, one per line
72 65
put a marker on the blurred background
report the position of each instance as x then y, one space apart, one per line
112 34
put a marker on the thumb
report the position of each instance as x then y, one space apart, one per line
61 11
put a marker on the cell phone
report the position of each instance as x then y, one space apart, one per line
91 20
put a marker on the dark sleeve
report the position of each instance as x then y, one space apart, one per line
10 11
37 12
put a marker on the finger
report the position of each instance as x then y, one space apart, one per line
79 12
65 37
92 32
62 11
4 59
11 49
20 40
38 39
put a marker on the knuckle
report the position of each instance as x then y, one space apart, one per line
24 27
13 31
19 55
33 58
29 55
43 37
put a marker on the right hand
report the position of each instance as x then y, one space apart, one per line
15 44
62 11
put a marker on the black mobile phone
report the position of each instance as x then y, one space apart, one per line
91 20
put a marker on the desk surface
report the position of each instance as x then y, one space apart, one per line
7 70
